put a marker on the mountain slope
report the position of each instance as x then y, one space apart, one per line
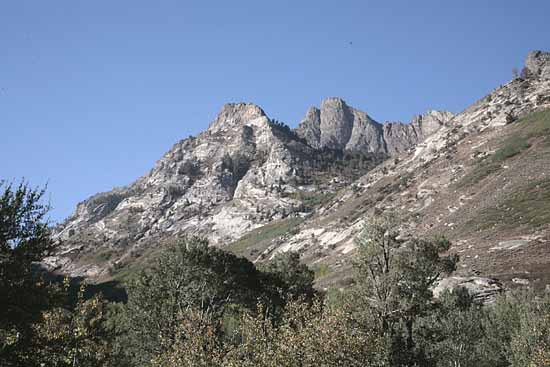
244 171
482 181
257 187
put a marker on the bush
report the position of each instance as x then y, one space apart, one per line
512 147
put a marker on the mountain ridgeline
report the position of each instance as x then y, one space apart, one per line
244 171
257 188
338 126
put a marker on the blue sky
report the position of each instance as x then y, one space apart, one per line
92 93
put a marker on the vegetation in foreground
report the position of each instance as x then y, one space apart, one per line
201 306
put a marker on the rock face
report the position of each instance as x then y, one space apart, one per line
191 188
239 148
346 128
339 126
431 122
537 65
399 137
310 127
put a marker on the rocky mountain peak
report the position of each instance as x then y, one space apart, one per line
313 112
338 126
249 175
337 121
237 114
336 103
537 64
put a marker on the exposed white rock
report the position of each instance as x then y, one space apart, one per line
239 174
521 281
483 290
510 245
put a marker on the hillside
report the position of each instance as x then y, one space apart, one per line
244 172
257 188
482 181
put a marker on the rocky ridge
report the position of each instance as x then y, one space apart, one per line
246 177
337 126
244 171
448 184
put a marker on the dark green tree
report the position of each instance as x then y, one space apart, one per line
454 333
395 278
24 241
288 278
189 276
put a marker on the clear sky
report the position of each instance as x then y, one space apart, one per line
92 93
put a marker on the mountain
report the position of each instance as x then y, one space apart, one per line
243 172
482 180
257 187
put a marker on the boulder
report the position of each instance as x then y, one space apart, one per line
483 290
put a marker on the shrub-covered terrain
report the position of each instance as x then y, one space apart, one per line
196 305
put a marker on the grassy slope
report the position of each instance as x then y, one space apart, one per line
509 194
533 127
256 241
528 202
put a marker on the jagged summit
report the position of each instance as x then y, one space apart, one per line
430 122
310 127
242 172
338 126
344 127
261 188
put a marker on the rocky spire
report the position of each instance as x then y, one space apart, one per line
336 123
310 127
338 126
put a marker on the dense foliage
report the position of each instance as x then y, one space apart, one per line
201 306
24 239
